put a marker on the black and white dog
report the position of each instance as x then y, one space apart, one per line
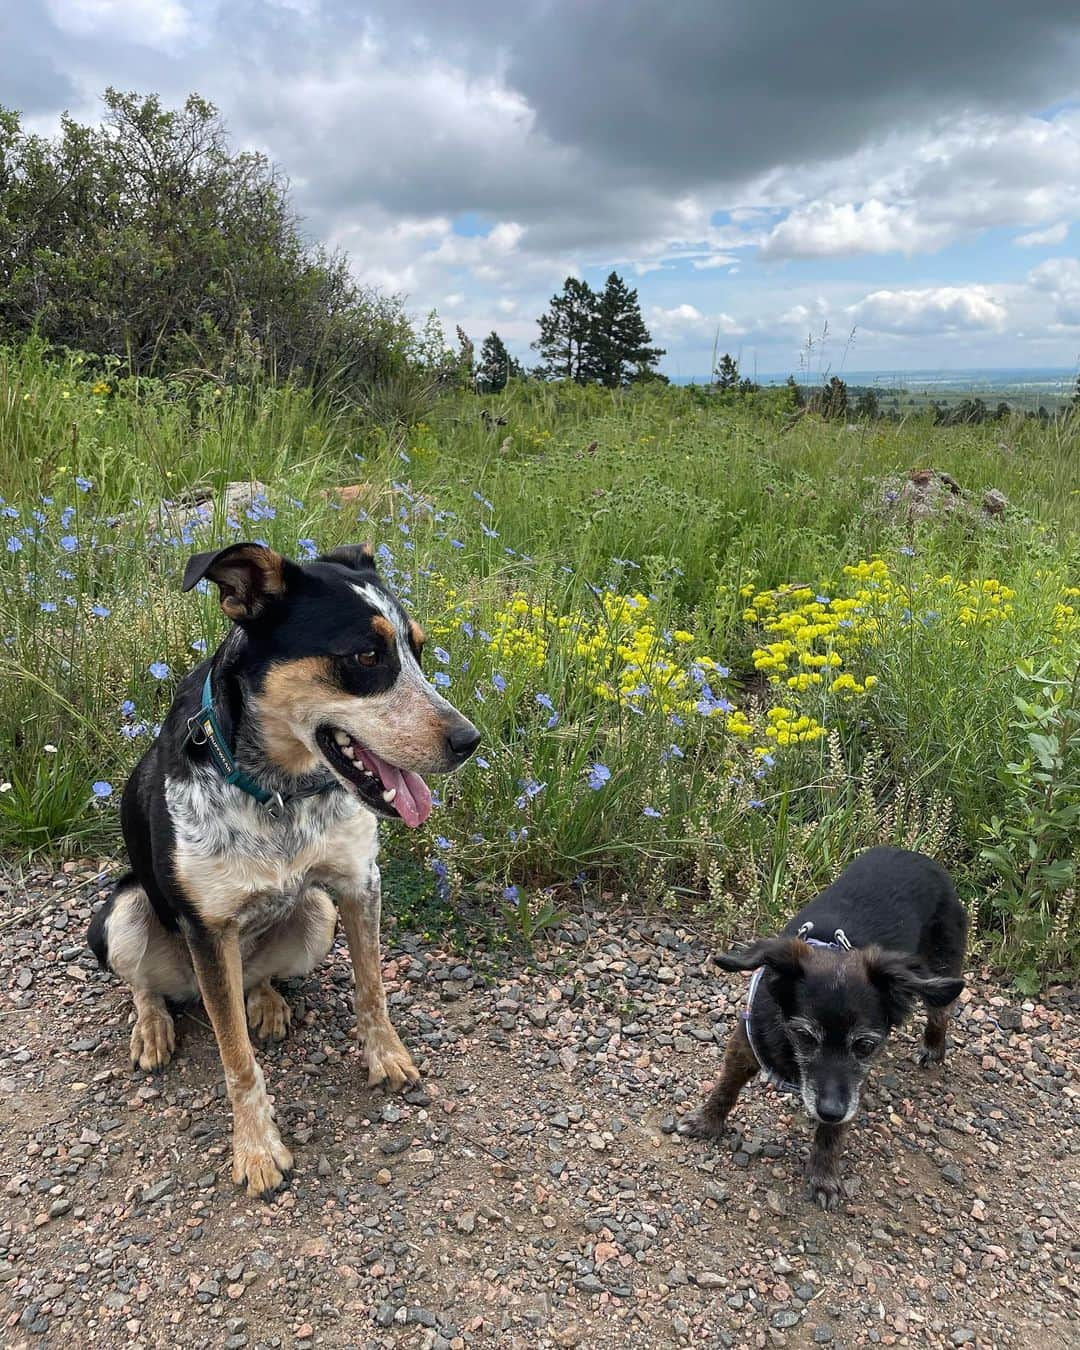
251 822
846 970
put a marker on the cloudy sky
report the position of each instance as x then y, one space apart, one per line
757 168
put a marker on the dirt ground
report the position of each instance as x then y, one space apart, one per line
532 1190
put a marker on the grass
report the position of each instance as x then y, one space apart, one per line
707 664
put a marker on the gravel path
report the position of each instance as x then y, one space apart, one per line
531 1191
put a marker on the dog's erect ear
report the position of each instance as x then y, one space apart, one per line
902 979
249 577
784 955
360 557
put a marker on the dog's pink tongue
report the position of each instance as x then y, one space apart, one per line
413 800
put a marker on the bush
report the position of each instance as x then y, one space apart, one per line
147 239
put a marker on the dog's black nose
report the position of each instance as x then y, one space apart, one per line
830 1110
462 740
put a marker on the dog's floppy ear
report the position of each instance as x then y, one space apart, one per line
249 577
360 557
785 955
902 979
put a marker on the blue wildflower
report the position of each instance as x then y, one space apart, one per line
456 543
553 721
481 762
907 551
127 708
307 549
199 645
441 841
66 516
69 543
499 682
83 484
48 607
511 894
159 670
441 679
488 531
598 776
442 655
756 803
545 702
100 611
101 789
651 812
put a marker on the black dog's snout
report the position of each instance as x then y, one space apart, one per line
831 1109
462 739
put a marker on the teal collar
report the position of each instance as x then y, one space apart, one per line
204 729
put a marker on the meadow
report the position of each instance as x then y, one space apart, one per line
709 658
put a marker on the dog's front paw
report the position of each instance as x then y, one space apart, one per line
701 1125
824 1189
930 1055
387 1059
261 1163
268 1013
153 1039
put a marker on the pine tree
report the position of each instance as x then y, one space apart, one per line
619 345
867 407
496 365
566 333
727 373
834 399
794 392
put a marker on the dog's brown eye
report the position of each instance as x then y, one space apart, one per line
366 658
865 1046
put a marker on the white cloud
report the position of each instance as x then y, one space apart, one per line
1059 280
152 23
1053 234
684 325
831 230
941 309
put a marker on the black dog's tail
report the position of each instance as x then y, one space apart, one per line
97 935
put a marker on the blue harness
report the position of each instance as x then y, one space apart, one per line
204 729
839 943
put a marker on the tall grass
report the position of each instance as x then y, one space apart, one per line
602 575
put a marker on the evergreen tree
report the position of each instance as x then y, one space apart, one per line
566 333
727 373
794 392
496 365
1076 394
619 343
867 408
834 399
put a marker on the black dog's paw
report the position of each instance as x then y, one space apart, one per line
930 1055
825 1190
700 1125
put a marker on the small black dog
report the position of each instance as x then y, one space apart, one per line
845 971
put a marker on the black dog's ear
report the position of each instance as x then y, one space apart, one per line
785 955
902 979
249 577
360 557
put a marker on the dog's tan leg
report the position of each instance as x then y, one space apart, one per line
739 1066
823 1167
360 908
259 1157
268 1013
153 1038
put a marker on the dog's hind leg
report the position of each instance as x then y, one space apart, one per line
739 1066
294 947
128 938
